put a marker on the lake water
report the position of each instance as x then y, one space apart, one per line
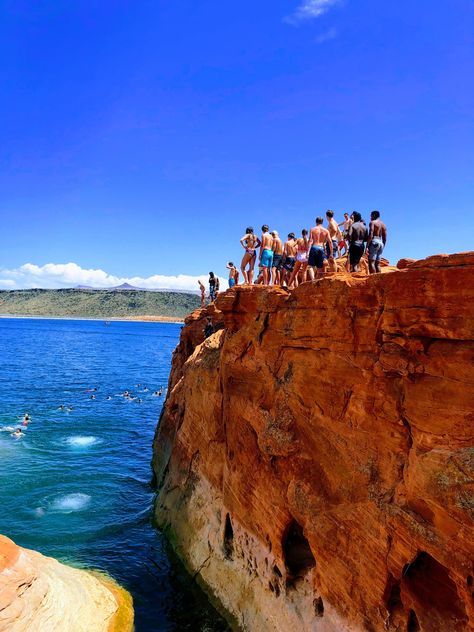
77 485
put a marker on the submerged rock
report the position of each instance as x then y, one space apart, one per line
38 593
315 459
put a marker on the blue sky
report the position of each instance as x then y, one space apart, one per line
140 138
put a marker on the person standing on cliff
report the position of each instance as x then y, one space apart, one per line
203 294
213 286
289 253
233 274
277 248
319 240
249 243
376 242
358 235
266 254
335 233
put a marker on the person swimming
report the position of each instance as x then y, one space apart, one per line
109 397
18 433
62 407
92 397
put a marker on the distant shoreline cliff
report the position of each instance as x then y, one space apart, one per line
315 455
101 304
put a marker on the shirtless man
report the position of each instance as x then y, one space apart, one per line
301 259
250 243
266 254
319 240
203 293
377 241
289 254
358 234
335 235
277 248
233 274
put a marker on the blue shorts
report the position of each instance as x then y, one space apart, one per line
267 258
317 257
375 249
231 282
335 248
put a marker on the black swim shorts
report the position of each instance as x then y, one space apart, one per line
317 257
277 261
289 263
355 253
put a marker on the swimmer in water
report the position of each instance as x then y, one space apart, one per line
160 392
92 397
70 409
145 389
18 433
62 407
109 397
26 418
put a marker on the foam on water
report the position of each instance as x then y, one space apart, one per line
70 503
81 441
8 428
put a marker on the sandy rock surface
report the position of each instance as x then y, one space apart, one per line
39 594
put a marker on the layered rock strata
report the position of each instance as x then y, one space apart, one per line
315 459
39 594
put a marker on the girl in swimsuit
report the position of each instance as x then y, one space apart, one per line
301 263
250 243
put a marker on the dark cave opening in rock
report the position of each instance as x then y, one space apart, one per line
297 553
228 538
434 594
412 624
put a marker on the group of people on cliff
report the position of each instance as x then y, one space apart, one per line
309 256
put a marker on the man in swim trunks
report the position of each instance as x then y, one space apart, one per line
266 254
319 240
213 286
233 274
289 254
277 248
376 242
336 236
358 235
250 243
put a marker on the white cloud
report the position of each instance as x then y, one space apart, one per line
309 10
62 275
327 36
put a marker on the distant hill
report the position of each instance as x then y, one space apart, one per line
121 303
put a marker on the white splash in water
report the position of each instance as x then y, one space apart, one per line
70 503
8 428
39 512
81 442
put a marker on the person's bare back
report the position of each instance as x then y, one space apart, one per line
378 229
290 248
319 236
277 246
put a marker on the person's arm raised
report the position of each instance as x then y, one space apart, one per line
244 239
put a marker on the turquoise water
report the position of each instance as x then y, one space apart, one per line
77 485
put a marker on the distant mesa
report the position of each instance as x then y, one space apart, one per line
123 286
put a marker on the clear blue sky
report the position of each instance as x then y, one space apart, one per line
142 136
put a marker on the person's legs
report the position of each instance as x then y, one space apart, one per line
243 265
294 275
250 270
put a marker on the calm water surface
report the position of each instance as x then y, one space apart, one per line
76 486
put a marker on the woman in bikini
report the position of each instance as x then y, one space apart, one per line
301 263
250 243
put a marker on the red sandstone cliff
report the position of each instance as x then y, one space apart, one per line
315 457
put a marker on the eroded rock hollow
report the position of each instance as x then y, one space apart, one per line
315 460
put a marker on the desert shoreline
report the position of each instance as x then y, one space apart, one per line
137 319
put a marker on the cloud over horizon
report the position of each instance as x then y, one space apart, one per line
70 275
310 10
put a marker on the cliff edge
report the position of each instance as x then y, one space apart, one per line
315 459
39 594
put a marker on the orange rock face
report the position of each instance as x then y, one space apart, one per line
315 459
